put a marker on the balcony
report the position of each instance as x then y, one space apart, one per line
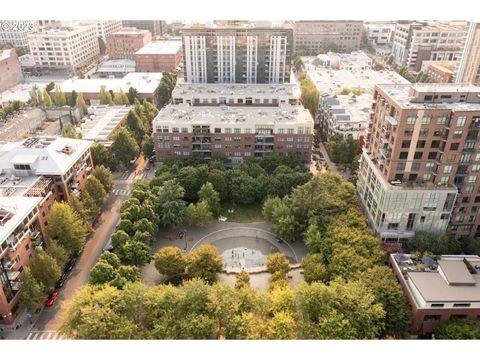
13 275
385 152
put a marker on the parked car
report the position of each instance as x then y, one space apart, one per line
109 248
51 298
59 284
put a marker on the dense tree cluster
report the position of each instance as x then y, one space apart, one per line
134 137
309 93
343 150
341 245
426 243
460 329
10 108
196 310
165 88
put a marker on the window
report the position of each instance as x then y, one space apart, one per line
218 130
184 130
426 119
454 146
437 305
461 121
421 144
281 131
443 180
468 189
447 169
238 130
175 130
415 166
429 165
457 134
451 158
408 132
401 166
435 144
418 155
411 119
472 179
423 132
432 155
461 305
432 318
406 144
427 177
403 155
228 130
476 167
441 120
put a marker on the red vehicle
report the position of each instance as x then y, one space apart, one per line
51 298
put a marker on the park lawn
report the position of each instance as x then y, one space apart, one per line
243 213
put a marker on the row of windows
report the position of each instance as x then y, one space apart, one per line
299 131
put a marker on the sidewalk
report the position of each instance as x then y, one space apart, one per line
21 327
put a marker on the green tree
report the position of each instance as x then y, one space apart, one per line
170 261
145 226
100 156
66 227
46 99
281 326
124 146
104 175
80 102
198 214
45 270
60 99
98 314
58 253
143 237
73 98
205 262
132 95
169 204
78 207
120 98
163 94
135 253
90 204
314 268
388 293
218 179
105 97
102 273
278 262
50 86
340 310
95 189
135 125
126 226
119 239
437 244
32 292
147 146
208 194
243 280
69 131
460 329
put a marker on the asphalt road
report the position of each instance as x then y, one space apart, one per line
50 318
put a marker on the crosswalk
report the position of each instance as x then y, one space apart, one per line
45 335
121 192
132 176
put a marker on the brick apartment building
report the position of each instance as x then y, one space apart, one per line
10 70
35 173
159 56
439 71
236 121
124 43
439 290
420 169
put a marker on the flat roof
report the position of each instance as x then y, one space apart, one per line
129 31
452 278
169 47
55 155
400 93
5 54
18 208
235 116
183 89
117 65
145 83
99 126
445 66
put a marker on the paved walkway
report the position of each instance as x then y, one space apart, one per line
150 275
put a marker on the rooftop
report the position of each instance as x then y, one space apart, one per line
130 31
5 54
446 278
145 83
445 66
118 65
199 90
403 94
63 30
13 210
99 126
46 155
224 115
160 48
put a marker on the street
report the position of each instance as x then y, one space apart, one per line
49 319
